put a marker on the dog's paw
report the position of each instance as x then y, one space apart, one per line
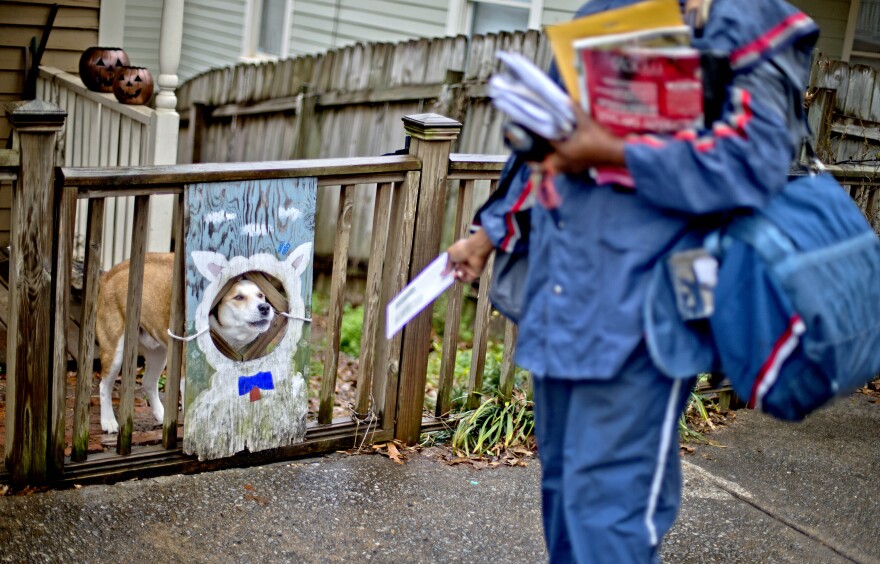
109 425
158 412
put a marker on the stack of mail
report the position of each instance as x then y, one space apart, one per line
530 98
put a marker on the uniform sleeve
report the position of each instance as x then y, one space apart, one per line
743 160
502 218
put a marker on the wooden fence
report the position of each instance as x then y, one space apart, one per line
410 191
347 103
844 112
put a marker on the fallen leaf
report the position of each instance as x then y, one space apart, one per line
394 454
257 498
250 488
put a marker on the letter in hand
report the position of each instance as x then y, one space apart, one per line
467 257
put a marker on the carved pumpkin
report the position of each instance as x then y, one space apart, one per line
133 85
98 67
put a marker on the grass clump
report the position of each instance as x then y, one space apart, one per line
495 426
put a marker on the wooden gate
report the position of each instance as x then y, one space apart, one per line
409 190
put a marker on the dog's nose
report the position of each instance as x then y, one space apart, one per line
264 309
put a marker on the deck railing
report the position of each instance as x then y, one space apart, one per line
410 201
100 131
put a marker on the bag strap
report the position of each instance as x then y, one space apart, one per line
771 244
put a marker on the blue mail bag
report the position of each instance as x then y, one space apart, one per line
796 317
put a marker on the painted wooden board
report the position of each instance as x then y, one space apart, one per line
232 228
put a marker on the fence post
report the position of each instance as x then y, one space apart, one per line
431 138
31 393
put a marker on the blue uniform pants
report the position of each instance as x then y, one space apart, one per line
611 475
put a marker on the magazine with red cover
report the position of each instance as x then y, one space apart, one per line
636 89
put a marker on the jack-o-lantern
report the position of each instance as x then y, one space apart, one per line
133 85
98 67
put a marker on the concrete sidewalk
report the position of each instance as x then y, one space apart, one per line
771 492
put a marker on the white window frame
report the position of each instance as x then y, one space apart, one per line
460 17
850 36
252 14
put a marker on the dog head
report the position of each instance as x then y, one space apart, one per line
242 314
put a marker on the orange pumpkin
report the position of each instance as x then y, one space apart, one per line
133 85
98 67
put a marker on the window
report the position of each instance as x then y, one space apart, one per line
867 35
267 28
477 17
863 32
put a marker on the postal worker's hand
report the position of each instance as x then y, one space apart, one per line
588 146
467 257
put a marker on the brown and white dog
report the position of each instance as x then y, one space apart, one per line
241 315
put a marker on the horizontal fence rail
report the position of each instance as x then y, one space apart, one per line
391 178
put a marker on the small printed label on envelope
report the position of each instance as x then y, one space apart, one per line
418 294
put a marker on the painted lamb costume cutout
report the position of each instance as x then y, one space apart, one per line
223 419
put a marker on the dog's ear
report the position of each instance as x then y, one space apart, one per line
210 264
300 257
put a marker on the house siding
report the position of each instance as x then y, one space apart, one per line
831 15
74 30
143 20
556 11
213 35
318 26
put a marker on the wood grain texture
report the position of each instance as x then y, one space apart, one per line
86 350
426 242
455 299
395 274
481 338
372 332
65 214
131 333
232 229
175 361
29 346
337 303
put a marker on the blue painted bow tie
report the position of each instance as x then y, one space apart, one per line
261 380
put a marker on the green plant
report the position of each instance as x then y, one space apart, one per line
466 322
351 330
461 374
696 408
494 426
320 303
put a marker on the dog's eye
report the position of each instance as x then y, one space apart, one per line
261 296
238 297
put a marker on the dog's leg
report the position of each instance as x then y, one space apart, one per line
154 363
108 378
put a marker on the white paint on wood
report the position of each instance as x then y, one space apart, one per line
220 422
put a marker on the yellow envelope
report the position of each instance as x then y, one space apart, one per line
648 14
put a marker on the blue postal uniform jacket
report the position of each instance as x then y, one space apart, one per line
591 260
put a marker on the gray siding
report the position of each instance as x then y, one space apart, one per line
831 15
213 33
556 11
143 20
321 25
